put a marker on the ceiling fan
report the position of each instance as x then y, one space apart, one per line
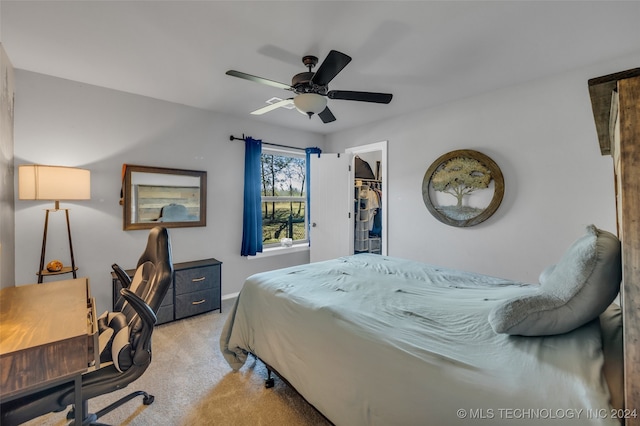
312 88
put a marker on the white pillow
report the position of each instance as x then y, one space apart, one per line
579 288
545 273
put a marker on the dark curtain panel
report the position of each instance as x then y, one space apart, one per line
252 215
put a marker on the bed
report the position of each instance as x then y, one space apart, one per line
370 339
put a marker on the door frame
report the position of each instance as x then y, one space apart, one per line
377 146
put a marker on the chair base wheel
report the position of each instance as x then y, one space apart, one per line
147 399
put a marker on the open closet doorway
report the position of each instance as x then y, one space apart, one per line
368 182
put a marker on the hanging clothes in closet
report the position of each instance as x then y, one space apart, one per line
368 217
376 229
368 208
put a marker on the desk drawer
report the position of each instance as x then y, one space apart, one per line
196 302
197 279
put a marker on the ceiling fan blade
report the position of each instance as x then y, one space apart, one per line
326 115
349 95
332 65
272 106
260 80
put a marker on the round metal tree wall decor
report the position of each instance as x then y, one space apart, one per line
463 188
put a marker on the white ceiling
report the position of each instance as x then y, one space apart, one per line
424 52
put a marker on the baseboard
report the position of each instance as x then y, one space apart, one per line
230 296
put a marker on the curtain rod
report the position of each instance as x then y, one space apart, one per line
233 138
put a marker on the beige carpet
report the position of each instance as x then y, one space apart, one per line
193 385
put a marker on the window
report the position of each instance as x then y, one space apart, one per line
284 196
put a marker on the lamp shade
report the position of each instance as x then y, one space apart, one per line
38 182
310 103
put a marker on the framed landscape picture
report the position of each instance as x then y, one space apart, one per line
463 188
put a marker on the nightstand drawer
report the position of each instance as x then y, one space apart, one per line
168 298
196 302
165 314
197 279
117 286
196 288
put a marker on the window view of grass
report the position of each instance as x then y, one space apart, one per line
283 220
283 197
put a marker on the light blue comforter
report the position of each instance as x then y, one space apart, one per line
375 340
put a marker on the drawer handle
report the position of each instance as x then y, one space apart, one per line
195 280
199 302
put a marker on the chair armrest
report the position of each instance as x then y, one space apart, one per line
142 355
143 310
124 278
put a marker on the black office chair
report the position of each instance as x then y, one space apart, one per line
123 360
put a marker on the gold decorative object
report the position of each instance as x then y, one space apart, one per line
54 266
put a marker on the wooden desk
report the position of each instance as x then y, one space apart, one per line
48 336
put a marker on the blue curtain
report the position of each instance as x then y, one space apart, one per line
309 152
252 216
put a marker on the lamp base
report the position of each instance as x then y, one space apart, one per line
42 271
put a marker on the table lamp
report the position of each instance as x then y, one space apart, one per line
54 183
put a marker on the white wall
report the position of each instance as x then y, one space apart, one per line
542 136
69 123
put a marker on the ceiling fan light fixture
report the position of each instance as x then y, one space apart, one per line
310 103
312 88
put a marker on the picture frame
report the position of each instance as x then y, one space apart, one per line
471 179
174 198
